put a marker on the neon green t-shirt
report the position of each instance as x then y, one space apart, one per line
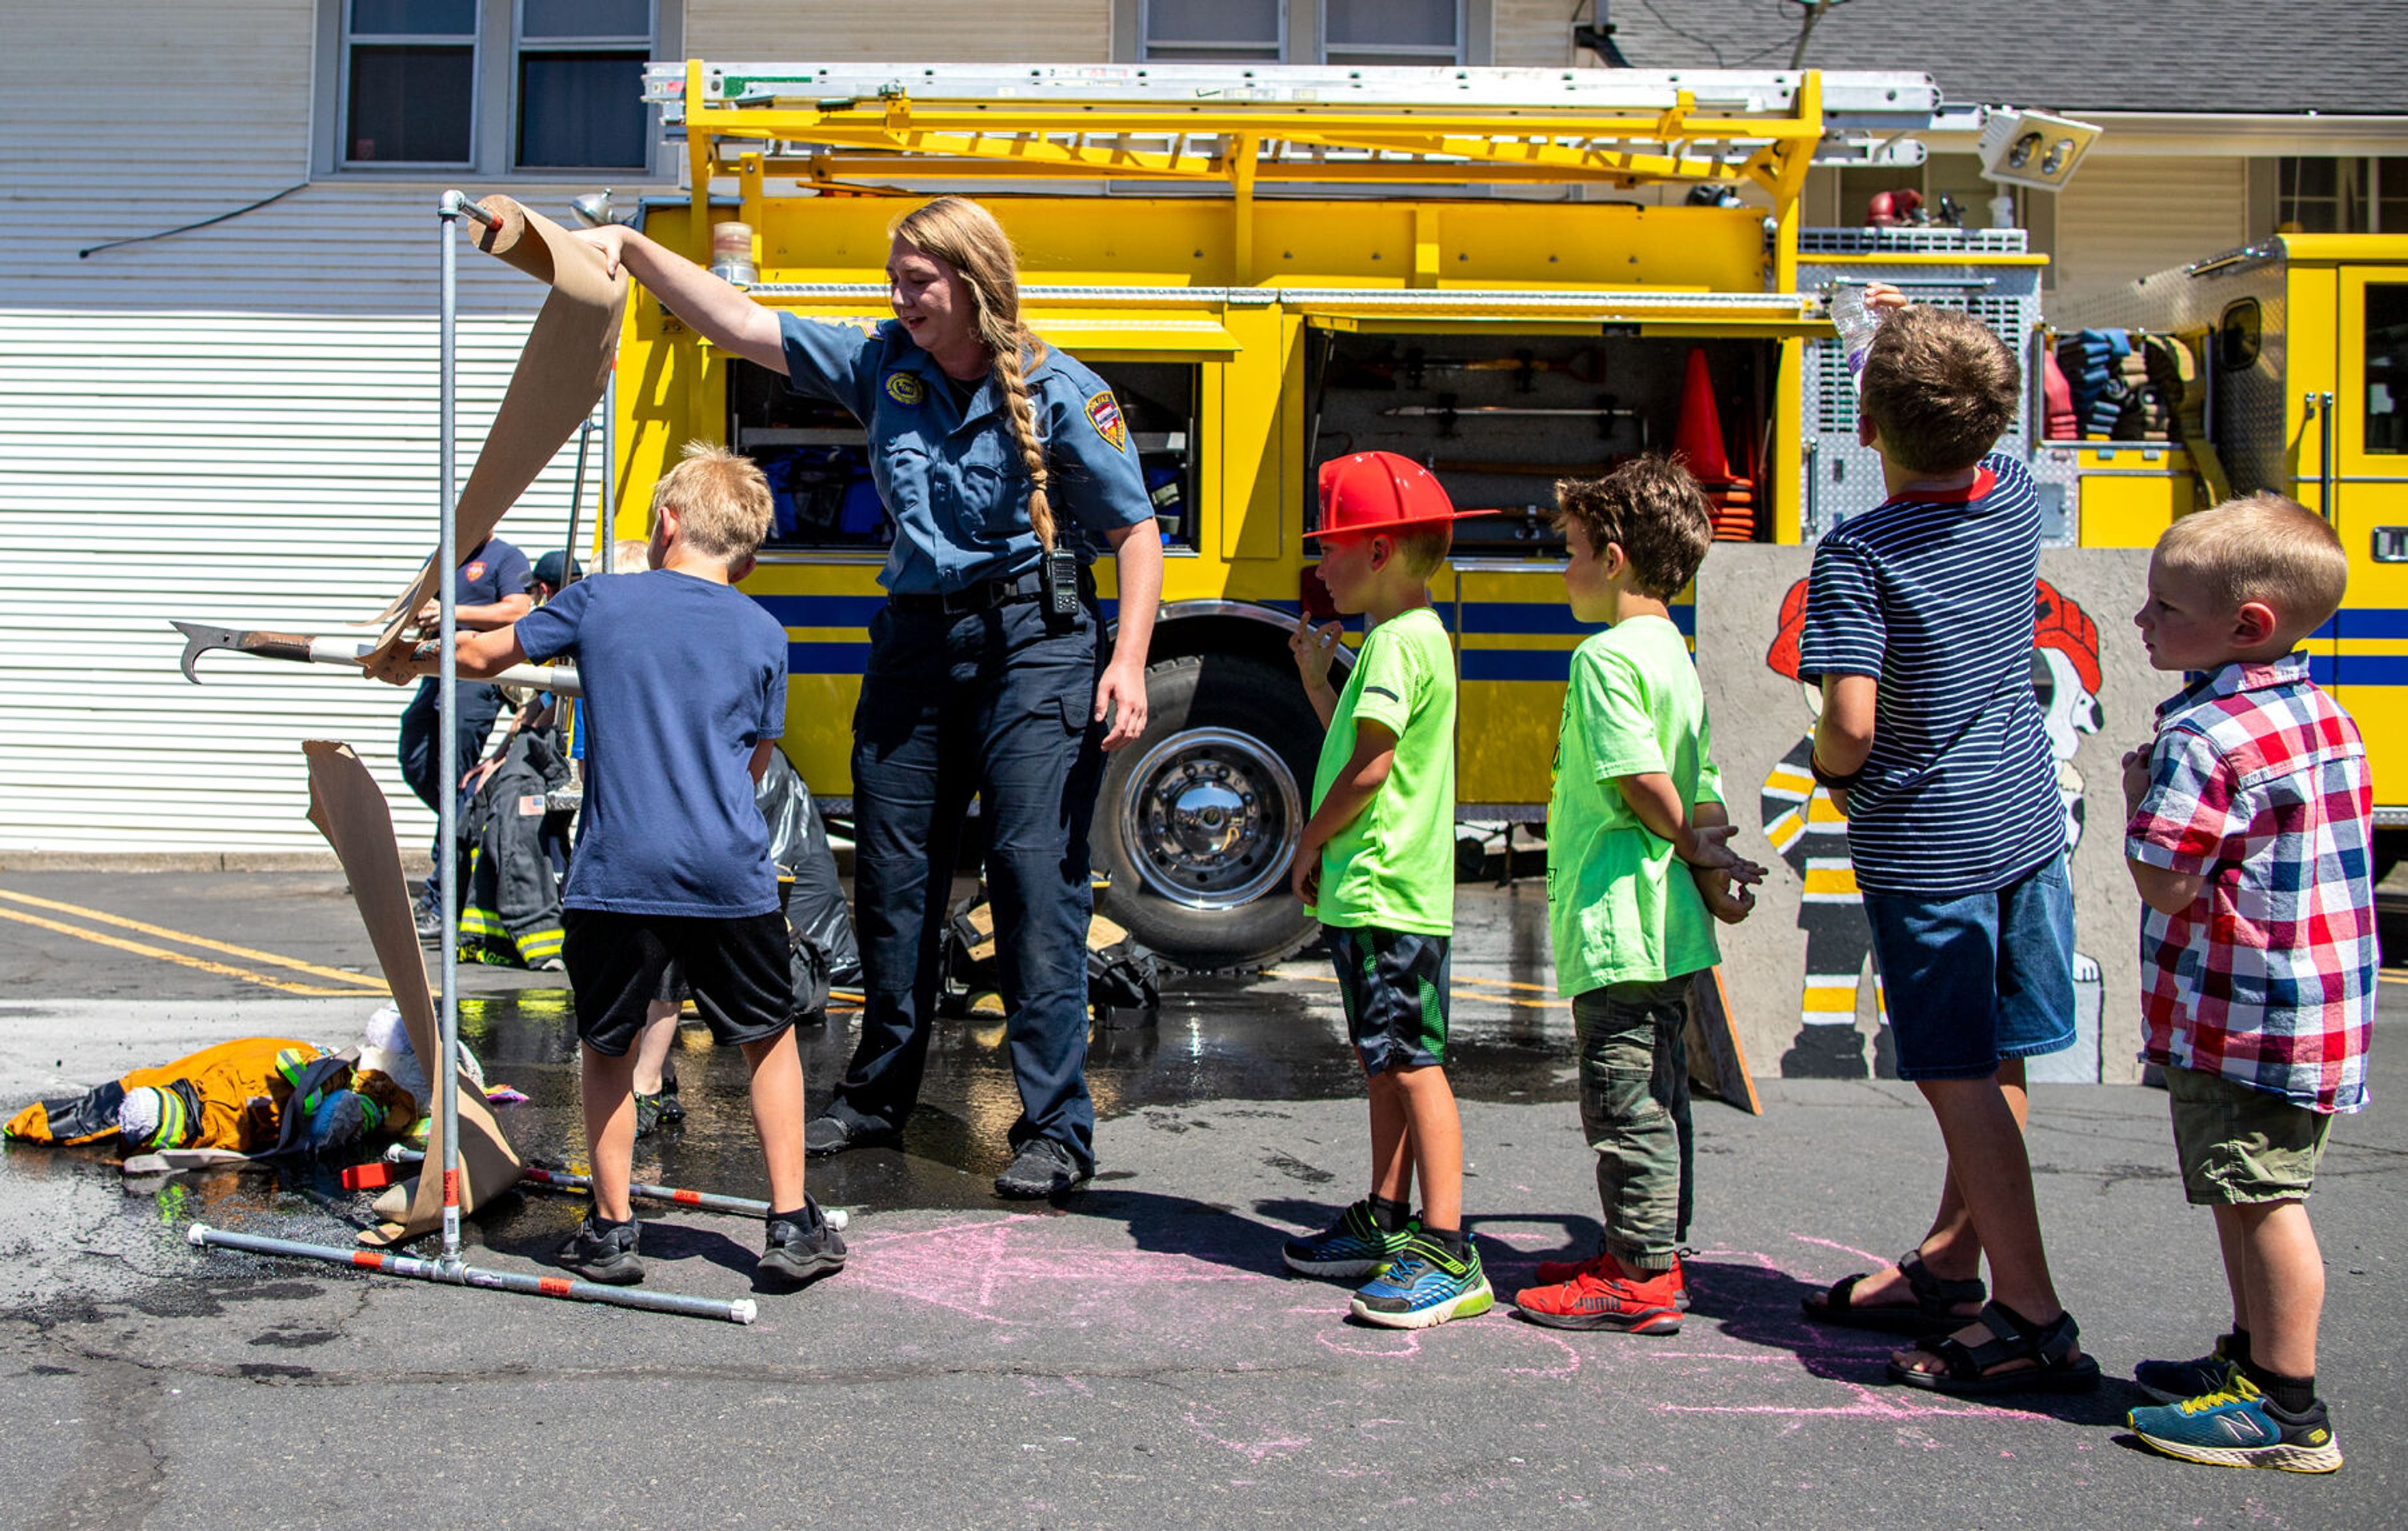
1393 867
1621 907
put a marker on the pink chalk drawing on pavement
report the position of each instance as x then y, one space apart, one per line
1760 1357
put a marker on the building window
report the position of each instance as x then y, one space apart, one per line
410 81
493 86
580 83
1340 31
2318 195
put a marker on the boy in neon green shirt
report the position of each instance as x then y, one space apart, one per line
1636 874
1376 867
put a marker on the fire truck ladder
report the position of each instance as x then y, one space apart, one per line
869 128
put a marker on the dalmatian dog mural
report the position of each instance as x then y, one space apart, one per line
1811 833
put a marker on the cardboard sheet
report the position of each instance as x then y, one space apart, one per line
350 809
560 375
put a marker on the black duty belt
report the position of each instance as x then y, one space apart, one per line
983 596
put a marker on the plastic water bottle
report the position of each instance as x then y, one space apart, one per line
1855 322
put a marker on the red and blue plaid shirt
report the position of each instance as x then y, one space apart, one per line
2257 782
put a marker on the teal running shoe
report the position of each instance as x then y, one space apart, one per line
1423 1287
1353 1246
2237 1427
2172 1381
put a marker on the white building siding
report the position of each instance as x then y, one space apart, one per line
1534 34
233 424
957 31
2123 218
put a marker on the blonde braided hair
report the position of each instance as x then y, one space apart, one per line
966 238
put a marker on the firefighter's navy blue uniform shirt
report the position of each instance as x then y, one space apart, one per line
494 571
682 677
951 472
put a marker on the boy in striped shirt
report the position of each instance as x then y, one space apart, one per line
2250 842
1919 631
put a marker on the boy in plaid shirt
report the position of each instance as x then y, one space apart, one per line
2249 838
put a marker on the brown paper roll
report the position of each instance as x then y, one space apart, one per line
561 373
351 811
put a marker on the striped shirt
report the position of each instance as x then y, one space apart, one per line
1932 595
2257 782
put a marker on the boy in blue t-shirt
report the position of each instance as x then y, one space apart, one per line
685 688
1918 628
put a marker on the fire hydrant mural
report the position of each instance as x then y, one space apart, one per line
1811 833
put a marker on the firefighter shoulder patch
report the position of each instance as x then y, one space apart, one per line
906 389
1104 414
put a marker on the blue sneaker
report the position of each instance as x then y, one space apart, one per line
2172 1381
1353 1246
2237 1427
1423 1286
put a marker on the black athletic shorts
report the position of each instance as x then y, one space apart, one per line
1394 985
739 971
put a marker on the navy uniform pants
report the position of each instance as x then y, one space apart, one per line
995 704
480 703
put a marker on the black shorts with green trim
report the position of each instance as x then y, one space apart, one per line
1393 984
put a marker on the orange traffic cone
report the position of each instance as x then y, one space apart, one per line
1697 434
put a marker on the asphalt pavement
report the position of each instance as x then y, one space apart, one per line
1132 1354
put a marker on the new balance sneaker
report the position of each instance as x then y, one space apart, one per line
1557 1272
606 1257
1423 1285
1602 1294
2172 1381
2238 1426
647 1113
800 1251
1352 1247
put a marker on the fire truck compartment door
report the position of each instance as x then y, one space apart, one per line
2369 648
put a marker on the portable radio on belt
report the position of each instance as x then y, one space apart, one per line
1061 582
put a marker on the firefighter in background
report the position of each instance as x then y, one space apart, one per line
1811 833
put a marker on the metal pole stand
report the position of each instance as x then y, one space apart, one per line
561 1180
448 1266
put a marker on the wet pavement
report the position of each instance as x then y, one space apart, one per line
1132 1354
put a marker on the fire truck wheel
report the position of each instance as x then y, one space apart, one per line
1200 817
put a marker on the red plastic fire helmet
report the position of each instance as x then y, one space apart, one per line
1378 491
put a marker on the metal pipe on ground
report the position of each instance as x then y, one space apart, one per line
451 1272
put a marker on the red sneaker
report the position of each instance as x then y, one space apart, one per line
1557 1272
1603 1295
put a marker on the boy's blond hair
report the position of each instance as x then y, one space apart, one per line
1653 509
1424 545
722 500
1940 387
2262 548
630 555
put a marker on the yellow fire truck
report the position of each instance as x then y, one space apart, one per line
1272 266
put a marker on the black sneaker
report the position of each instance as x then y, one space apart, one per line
649 1113
607 1258
797 1253
1042 1167
828 1133
671 1112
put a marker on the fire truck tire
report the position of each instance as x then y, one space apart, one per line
1199 818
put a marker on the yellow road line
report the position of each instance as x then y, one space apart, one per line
201 941
142 950
1506 983
1484 999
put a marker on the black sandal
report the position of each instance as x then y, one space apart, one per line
1933 1310
1971 1370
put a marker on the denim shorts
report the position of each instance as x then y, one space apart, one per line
1970 981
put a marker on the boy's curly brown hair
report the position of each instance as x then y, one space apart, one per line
1654 508
1940 387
